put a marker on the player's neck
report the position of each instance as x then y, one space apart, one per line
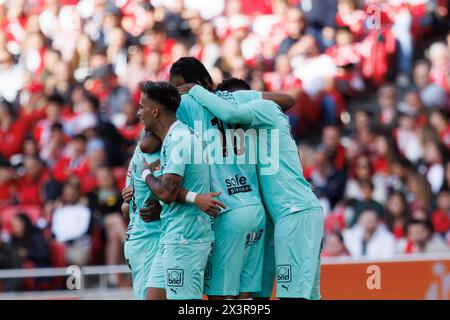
164 127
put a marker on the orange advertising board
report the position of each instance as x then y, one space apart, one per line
405 280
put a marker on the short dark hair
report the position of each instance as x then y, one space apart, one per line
233 84
79 137
56 98
57 127
192 71
162 92
428 224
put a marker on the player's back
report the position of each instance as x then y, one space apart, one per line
232 170
285 189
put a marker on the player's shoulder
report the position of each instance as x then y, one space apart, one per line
187 101
179 129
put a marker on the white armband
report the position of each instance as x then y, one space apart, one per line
190 197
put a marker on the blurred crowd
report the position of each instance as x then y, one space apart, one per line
371 80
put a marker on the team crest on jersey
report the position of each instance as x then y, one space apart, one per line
175 277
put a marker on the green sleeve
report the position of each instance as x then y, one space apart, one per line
221 108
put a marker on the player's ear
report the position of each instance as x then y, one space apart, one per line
156 111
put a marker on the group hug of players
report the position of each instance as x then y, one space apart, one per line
222 229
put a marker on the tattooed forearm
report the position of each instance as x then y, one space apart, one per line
166 187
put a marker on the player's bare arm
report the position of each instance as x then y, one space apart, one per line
166 187
285 101
125 207
204 202
150 143
127 194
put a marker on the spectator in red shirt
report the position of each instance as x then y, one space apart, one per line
397 214
74 162
41 132
347 59
441 216
132 127
30 186
384 152
317 72
350 16
12 131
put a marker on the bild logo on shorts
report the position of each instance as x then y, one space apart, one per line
284 273
175 277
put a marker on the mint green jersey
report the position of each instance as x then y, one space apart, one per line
285 190
138 228
229 153
184 223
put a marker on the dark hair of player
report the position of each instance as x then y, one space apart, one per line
233 84
162 92
192 71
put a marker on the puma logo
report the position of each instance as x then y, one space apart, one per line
285 287
173 290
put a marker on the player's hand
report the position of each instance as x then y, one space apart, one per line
208 204
127 194
125 207
184 88
154 166
151 211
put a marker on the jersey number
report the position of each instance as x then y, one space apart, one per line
220 126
